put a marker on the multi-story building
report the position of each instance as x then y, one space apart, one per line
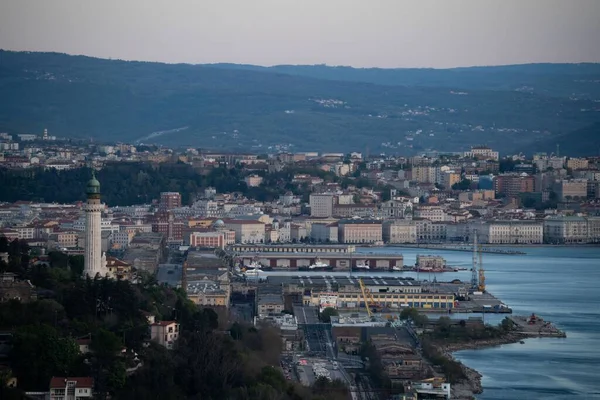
169 201
577 163
246 231
166 224
66 239
359 231
562 229
449 178
321 205
482 153
165 333
400 231
268 304
121 239
574 189
425 174
209 293
324 233
393 209
354 210
510 185
211 238
432 213
428 231
512 232
71 388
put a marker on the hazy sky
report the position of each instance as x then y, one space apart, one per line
384 33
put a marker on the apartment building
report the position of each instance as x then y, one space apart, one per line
169 201
400 231
165 333
573 189
359 231
121 239
511 185
577 163
66 239
432 213
449 178
321 205
425 174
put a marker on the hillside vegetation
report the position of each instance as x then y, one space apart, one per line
310 108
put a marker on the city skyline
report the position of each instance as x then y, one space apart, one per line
266 32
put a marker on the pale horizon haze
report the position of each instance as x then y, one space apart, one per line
373 33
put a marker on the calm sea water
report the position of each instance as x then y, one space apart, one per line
562 285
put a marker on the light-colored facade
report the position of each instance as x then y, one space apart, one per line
360 231
482 153
321 205
400 231
94 259
66 239
512 232
269 304
393 209
432 213
247 231
577 163
165 333
449 178
571 229
425 174
63 388
253 180
574 189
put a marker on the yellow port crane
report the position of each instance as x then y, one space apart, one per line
367 297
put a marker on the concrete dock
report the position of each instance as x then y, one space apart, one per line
536 326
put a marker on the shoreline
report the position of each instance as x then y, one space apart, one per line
471 385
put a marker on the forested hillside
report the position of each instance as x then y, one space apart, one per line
298 108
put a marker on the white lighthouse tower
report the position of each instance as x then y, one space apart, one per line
94 260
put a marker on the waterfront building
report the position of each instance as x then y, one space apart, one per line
400 231
359 231
324 233
512 232
571 229
94 259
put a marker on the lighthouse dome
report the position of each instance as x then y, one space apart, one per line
93 186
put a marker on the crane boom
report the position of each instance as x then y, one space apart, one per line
367 297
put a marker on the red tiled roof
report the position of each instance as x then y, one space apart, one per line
58 382
163 323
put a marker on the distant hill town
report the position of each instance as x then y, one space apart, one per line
302 108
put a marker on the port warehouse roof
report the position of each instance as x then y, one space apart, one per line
325 280
357 256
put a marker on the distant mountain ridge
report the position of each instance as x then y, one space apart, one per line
250 108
